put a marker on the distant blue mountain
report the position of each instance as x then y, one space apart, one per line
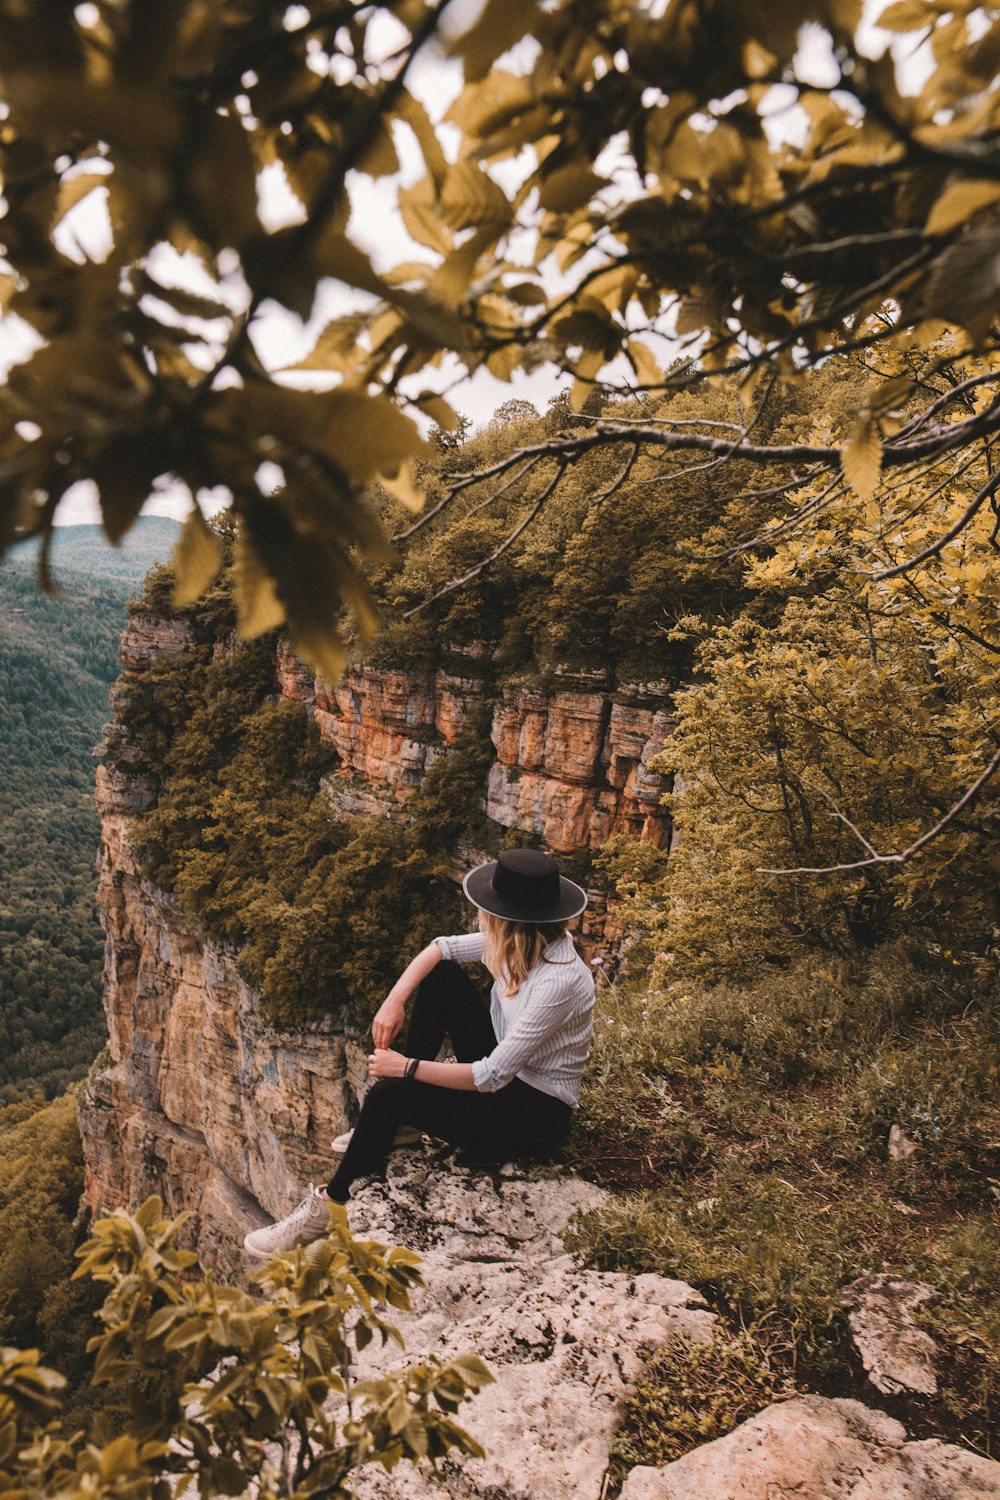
85 551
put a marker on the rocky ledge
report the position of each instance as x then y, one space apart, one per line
564 1344
814 1448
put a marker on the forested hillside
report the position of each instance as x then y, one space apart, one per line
794 1081
57 660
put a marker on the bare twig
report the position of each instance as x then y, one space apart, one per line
404 536
622 478
458 583
989 489
879 860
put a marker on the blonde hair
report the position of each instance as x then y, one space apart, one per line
513 949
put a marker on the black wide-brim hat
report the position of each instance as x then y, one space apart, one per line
524 885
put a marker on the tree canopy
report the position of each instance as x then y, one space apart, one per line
647 196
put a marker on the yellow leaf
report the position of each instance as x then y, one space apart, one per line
588 367
380 158
964 284
73 190
438 409
337 340
959 202
450 282
907 15
222 176
258 608
645 366
574 245
408 272
525 294
504 361
861 457
501 24
482 107
470 198
418 208
412 113
757 61
890 393
306 168
570 187
614 287
334 254
591 328
403 486
197 559
693 315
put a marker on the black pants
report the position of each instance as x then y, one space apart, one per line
516 1121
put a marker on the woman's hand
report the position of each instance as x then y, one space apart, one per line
385 1064
388 1021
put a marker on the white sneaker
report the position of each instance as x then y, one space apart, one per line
309 1221
405 1136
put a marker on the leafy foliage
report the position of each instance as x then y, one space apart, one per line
654 179
691 1393
229 1389
834 720
746 1128
41 1307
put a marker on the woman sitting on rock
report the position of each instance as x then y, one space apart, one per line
512 1092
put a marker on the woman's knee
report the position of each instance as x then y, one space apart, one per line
443 979
385 1094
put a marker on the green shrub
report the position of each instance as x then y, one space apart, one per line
797 1023
41 1180
691 1393
760 1243
229 1391
939 1091
963 1264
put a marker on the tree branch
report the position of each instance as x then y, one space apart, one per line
879 860
458 583
989 488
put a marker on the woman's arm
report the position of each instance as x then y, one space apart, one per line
556 997
387 1064
389 1016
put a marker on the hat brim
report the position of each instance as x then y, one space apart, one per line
478 886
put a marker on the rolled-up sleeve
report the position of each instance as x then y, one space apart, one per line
465 948
552 1003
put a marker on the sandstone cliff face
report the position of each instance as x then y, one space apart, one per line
197 1098
571 766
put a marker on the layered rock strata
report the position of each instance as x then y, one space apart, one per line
571 765
196 1099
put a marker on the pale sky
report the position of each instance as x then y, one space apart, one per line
281 339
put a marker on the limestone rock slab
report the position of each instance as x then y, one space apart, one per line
563 1343
814 1448
897 1355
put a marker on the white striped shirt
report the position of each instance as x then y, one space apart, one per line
543 1032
